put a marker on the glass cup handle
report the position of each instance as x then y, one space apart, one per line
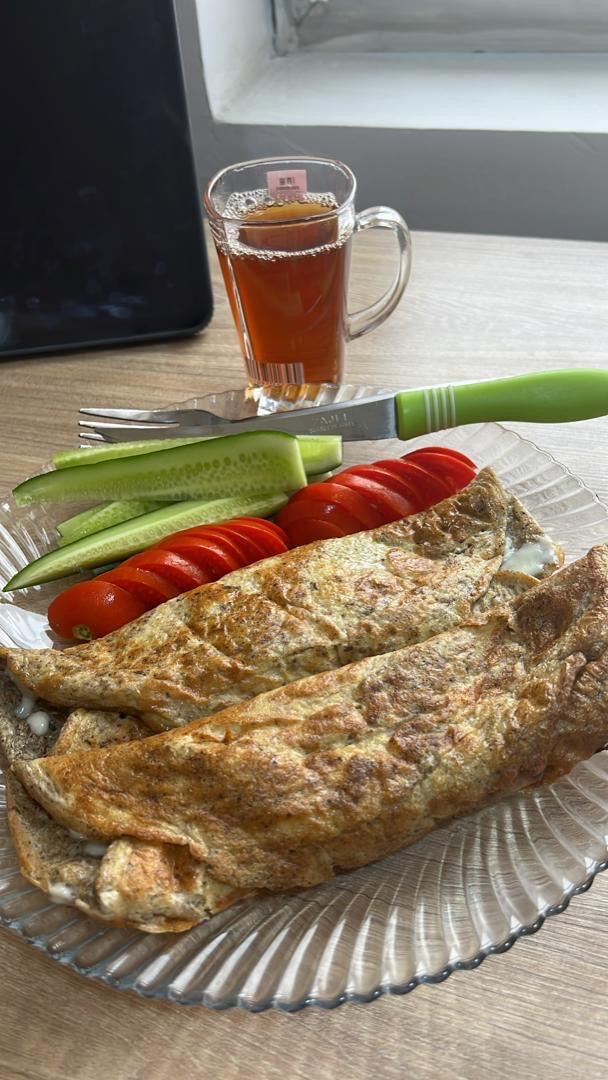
382 217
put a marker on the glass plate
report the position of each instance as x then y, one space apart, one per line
466 891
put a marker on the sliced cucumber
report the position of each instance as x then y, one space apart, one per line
252 463
319 452
101 517
128 537
88 455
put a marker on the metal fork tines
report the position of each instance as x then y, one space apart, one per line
101 432
121 433
157 424
153 416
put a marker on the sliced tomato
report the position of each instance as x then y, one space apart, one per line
328 512
228 543
260 523
253 545
307 530
265 537
454 472
273 540
390 504
326 491
430 489
171 567
213 557
268 528
249 550
150 588
202 532
389 479
245 546
446 451
91 609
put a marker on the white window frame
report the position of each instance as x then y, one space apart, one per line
441 25
247 83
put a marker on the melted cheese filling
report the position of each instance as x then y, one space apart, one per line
62 894
38 722
530 558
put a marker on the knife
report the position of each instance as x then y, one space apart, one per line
542 397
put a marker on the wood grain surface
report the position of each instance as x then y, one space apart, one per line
475 307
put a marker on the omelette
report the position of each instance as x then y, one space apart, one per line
313 609
342 768
151 887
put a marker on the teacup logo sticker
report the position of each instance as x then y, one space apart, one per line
284 185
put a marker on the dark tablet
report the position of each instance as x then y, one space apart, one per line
100 216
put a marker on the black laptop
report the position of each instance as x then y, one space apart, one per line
101 236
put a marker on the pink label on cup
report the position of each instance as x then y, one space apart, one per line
285 184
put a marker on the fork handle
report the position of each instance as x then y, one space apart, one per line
546 397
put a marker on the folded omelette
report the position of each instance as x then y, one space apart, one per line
312 609
342 768
152 887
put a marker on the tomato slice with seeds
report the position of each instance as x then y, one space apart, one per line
150 588
91 609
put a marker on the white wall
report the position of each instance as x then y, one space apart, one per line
506 182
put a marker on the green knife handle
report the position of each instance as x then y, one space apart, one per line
546 397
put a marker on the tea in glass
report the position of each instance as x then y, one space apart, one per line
283 236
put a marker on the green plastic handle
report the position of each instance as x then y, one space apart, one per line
546 397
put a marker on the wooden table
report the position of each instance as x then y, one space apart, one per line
476 306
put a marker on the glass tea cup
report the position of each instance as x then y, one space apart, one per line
283 230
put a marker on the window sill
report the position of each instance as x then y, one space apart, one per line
543 92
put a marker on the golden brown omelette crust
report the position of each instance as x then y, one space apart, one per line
312 609
158 888
337 770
